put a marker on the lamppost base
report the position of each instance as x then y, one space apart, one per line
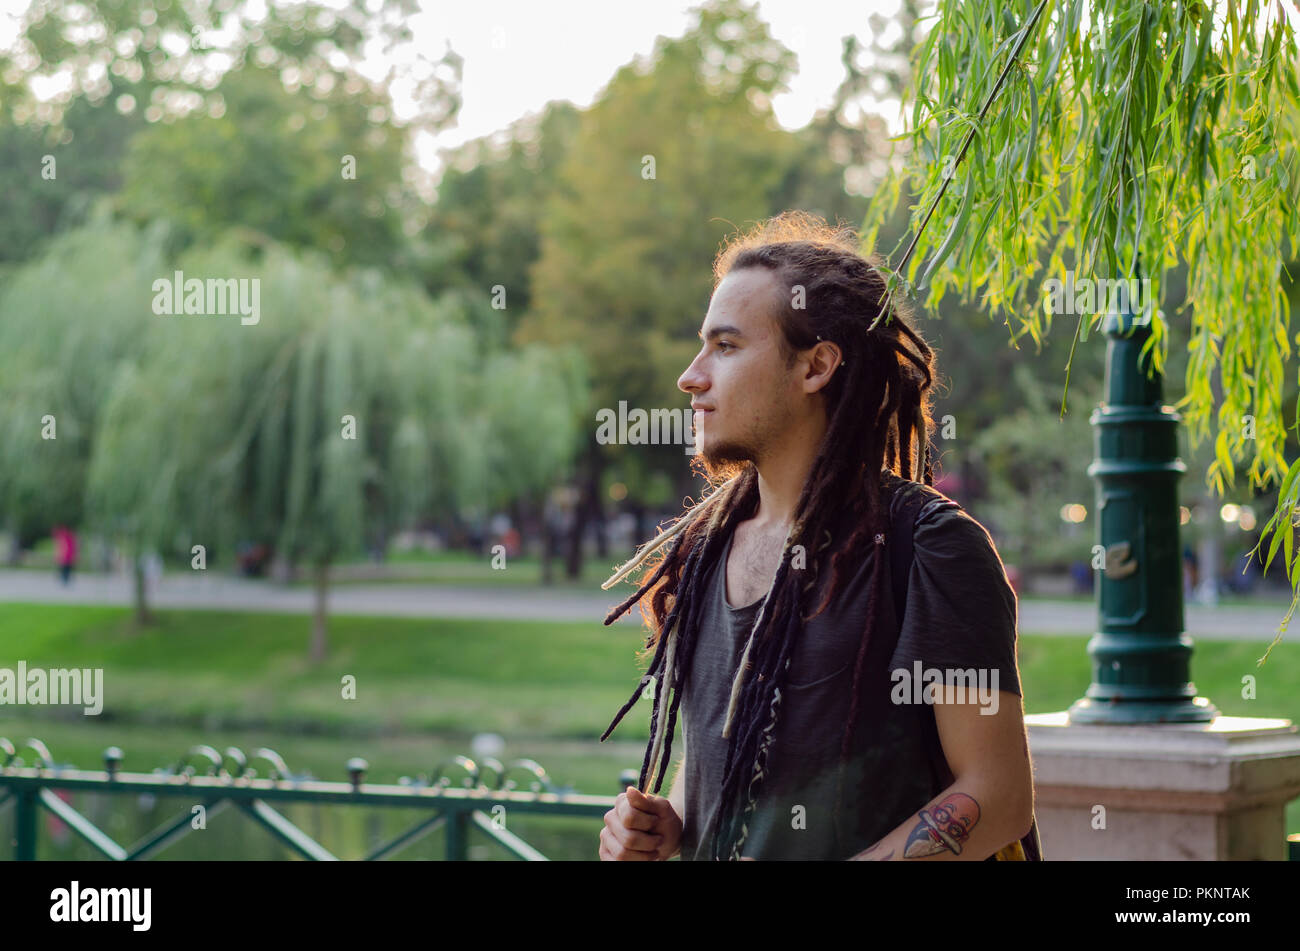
1191 710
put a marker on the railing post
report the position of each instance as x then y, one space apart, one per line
457 835
25 805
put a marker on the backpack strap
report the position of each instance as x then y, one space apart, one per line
911 503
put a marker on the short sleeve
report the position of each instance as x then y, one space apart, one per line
961 609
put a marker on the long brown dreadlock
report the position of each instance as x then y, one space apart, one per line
889 370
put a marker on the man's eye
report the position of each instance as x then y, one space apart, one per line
722 344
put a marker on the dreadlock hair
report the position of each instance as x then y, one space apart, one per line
878 407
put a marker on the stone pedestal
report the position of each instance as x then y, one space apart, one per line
1199 791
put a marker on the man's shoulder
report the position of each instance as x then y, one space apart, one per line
937 519
925 502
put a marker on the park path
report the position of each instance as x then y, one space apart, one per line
215 591
1257 622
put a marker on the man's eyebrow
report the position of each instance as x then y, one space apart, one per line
724 330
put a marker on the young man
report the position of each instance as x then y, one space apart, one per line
772 622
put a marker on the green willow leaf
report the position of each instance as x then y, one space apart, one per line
1049 74
1031 144
1083 130
1189 51
1203 42
1274 530
1288 545
954 233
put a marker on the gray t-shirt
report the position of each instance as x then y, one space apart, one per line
960 614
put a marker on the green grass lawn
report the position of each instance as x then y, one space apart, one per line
530 679
425 687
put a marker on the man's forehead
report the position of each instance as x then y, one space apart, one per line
744 301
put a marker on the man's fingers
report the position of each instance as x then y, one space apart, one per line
613 849
629 838
656 804
632 817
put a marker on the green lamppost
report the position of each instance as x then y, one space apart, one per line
1141 655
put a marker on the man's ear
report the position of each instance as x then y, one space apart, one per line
823 359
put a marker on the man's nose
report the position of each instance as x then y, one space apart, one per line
692 379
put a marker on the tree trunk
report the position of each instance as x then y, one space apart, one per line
550 543
518 517
143 617
640 530
320 585
587 511
573 559
597 503
14 556
582 510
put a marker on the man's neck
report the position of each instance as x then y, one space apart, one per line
781 479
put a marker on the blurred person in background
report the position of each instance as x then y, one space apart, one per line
65 552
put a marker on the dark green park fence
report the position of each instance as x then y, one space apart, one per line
464 798
461 805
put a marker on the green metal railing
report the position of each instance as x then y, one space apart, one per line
217 781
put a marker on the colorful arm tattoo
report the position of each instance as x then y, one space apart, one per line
946 825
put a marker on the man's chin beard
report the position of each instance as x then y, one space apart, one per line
725 460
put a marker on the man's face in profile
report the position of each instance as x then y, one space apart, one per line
744 391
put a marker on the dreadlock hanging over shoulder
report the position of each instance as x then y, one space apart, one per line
878 405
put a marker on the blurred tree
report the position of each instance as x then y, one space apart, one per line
167 58
355 405
491 201
309 171
1029 458
67 319
79 79
40 196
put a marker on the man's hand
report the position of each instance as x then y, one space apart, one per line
640 828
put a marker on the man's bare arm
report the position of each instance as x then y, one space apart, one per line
990 802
